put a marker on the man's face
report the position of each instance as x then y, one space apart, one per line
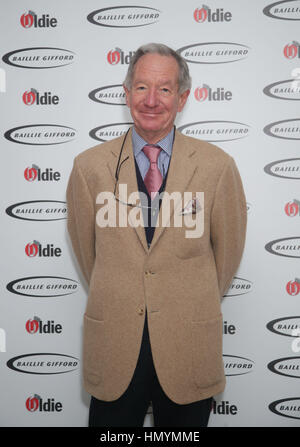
153 98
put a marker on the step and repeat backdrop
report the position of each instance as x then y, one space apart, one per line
61 72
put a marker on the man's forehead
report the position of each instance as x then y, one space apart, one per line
165 67
161 80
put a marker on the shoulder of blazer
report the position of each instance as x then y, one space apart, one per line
203 152
98 156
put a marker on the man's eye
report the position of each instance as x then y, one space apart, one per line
165 90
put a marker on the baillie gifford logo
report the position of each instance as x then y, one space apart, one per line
288 89
288 247
124 16
43 363
287 169
205 14
36 403
118 56
109 94
288 407
35 173
292 51
206 93
39 57
239 286
215 130
283 10
31 20
33 97
214 52
41 134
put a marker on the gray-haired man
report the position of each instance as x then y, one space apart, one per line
153 323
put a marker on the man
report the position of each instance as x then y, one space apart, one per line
153 323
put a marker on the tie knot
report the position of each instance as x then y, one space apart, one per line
152 152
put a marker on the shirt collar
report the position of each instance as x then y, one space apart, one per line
165 143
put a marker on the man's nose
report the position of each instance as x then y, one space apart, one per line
151 98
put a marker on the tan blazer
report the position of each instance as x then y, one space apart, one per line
179 280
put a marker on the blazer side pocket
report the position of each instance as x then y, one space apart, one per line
93 348
207 352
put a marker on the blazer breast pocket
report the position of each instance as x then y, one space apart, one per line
189 223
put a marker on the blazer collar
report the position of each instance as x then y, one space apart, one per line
181 171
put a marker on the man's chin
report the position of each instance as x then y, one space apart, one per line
150 126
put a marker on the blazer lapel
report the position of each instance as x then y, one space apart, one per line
181 170
127 176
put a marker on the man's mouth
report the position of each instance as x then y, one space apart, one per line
149 113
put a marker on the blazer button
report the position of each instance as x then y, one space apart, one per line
141 311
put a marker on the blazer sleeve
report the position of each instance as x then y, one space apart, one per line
81 220
228 224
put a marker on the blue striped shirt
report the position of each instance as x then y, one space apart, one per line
164 157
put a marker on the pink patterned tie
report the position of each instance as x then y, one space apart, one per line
153 179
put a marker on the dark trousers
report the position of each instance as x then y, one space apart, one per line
130 409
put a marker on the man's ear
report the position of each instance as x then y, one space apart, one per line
182 99
127 95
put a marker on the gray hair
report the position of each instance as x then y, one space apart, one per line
184 79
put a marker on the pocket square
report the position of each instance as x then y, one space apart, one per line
192 207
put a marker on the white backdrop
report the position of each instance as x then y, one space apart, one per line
62 66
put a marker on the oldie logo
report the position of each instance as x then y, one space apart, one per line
124 16
288 89
31 20
288 168
206 14
36 249
110 94
224 407
43 286
36 403
293 287
285 129
236 366
109 131
292 50
38 210
39 57
288 247
288 366
289 407
35 173
118 56
216 130
283 10
41 134
43 363
239 286
292 208
288 326
228 329
214 52
38 326
33 97
206 93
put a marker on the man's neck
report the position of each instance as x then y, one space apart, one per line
152 139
